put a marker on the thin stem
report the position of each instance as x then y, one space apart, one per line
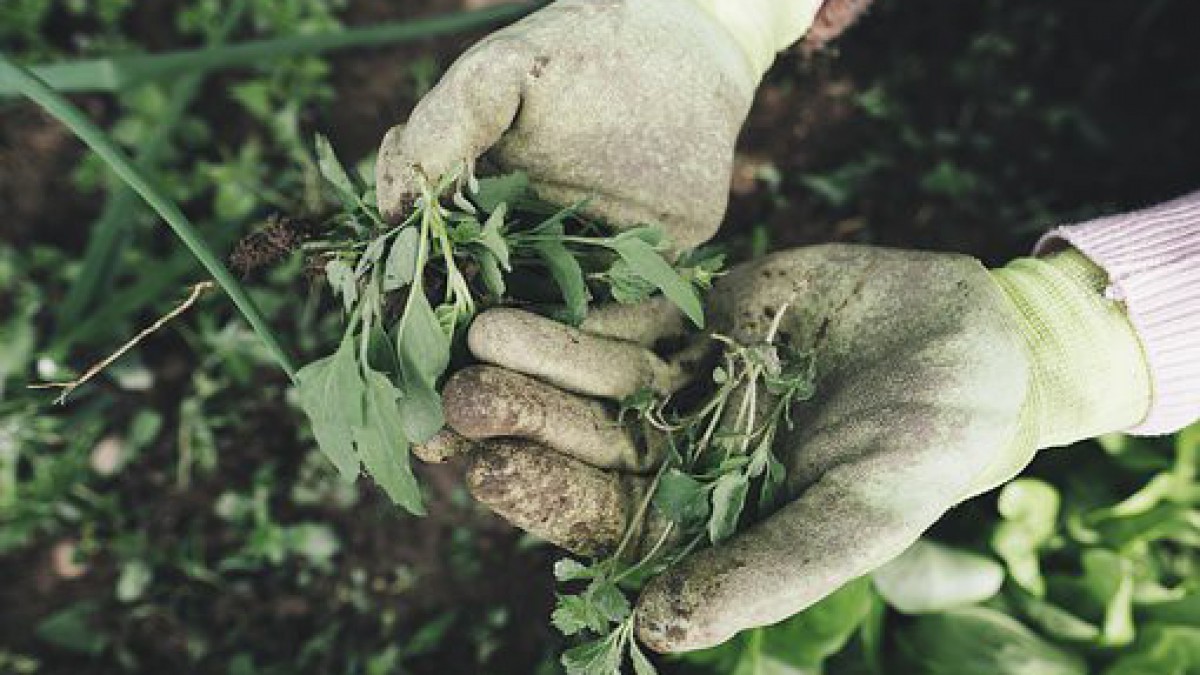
37 91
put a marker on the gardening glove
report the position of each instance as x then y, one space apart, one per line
634 105
936 380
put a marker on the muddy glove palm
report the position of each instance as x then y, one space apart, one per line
937 381
632 105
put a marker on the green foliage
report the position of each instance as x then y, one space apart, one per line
379 392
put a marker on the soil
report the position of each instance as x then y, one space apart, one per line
1122 78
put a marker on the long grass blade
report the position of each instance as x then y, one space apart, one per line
54 104
114 74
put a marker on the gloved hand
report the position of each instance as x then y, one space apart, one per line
634 105
936 381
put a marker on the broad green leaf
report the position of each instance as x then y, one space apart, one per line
931 577
383 446
681 498
573 614
423 346
728 500
647 263
1030 511
331 393
401 266
568 275
421 410
508 189
981 641
333 171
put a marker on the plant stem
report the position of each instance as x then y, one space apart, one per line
37 91
114 74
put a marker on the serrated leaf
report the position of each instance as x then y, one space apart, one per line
574 614
568 275
331 394
681 498
334 172
383 445
627 287
647 263
609 600
599 657
508 189
401 266
728 501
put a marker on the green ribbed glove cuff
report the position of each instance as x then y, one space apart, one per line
1089 372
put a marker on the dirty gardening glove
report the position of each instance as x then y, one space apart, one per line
936 381
633 104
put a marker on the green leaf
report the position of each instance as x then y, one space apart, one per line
509 189
647 263
1109 579
331 394
574 614
599 657
981 641
627 287
423 346
572 570
1161 650
135 578
728 500
568 275
401 266
72 629
383 445
492 238
609 600
931 577
681 498
343 281
334 172
493 278
1030 511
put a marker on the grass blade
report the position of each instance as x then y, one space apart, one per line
54 104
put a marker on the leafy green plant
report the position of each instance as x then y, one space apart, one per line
716 456
409 290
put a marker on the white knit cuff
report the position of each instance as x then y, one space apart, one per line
1152 258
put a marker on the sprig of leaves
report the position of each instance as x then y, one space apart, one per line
716 456
410 290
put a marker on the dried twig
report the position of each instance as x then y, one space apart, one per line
68 387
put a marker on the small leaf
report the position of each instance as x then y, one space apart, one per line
627 287
574 614
343 281
572 570
331 393
508 189
599 657
332 170
493 278
492 237
1030 511
728 500
401 266
609 601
